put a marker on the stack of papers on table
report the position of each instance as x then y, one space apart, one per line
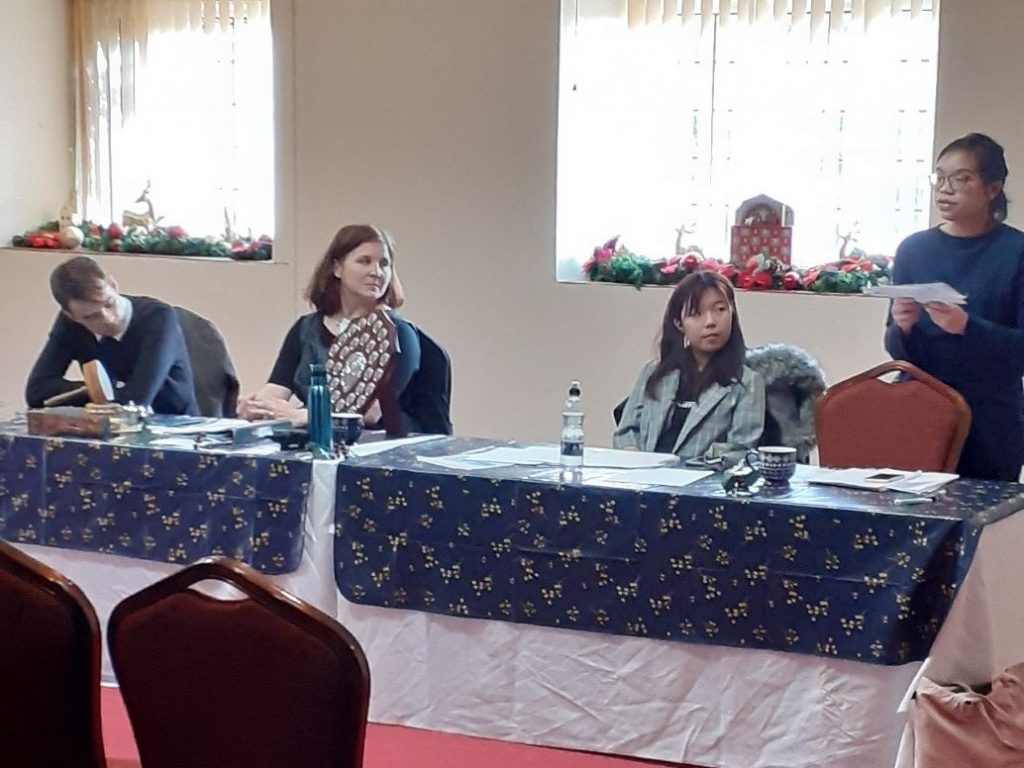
922 293
882 479
193 425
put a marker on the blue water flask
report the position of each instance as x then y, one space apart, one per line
318 407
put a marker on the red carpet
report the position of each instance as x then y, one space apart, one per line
392 746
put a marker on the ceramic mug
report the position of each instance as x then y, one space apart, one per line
347 427
777 463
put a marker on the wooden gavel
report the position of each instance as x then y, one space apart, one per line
97 386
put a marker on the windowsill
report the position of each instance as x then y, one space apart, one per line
764 291
66 253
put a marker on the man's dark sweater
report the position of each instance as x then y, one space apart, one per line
151 360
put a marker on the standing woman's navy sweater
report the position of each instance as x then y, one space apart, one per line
986 363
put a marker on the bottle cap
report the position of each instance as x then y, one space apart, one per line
318 368
574 389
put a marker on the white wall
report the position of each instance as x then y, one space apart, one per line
436 119
36 135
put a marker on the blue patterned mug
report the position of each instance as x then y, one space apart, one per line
347 427
777 462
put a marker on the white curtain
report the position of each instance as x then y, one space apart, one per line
670 125
639 12
177 95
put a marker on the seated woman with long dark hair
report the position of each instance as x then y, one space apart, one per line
355 277
699 399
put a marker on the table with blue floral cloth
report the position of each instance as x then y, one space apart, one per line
165 505
808 569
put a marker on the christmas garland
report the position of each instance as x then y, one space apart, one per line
172 240
614 263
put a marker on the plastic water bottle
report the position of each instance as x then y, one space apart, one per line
318 406
572 428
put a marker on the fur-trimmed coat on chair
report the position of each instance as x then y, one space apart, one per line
793 381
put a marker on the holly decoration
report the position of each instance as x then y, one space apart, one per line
612 262
172 240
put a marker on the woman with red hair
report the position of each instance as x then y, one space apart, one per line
355 277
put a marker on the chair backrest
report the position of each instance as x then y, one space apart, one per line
213 373
793 383
431 388
49 668
267 679
916 422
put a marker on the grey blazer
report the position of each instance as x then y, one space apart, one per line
724 419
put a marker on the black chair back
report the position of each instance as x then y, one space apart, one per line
430 391
213 373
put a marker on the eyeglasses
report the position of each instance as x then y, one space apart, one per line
956 181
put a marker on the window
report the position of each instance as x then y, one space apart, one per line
666 124
177 96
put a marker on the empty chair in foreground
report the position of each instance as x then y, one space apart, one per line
49 668
258 682
914 423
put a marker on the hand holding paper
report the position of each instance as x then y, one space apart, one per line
922 293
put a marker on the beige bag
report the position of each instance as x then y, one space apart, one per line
956 727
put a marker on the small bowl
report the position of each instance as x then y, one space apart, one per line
347 427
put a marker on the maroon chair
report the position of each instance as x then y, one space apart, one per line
259 682
49 668
914 423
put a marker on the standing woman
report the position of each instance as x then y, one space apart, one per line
355 277
699 399
978 348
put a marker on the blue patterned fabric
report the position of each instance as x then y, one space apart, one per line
166 505
806 569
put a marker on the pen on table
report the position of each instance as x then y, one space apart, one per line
909 501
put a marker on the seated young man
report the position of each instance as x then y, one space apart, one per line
137 339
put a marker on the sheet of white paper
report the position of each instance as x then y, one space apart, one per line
578 476
362 450
617 459
546 453
174 441
508 455
458 462
922 293
672 476
922 482
259 448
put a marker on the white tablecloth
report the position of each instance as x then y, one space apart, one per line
700 704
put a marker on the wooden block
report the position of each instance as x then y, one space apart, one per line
67 421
